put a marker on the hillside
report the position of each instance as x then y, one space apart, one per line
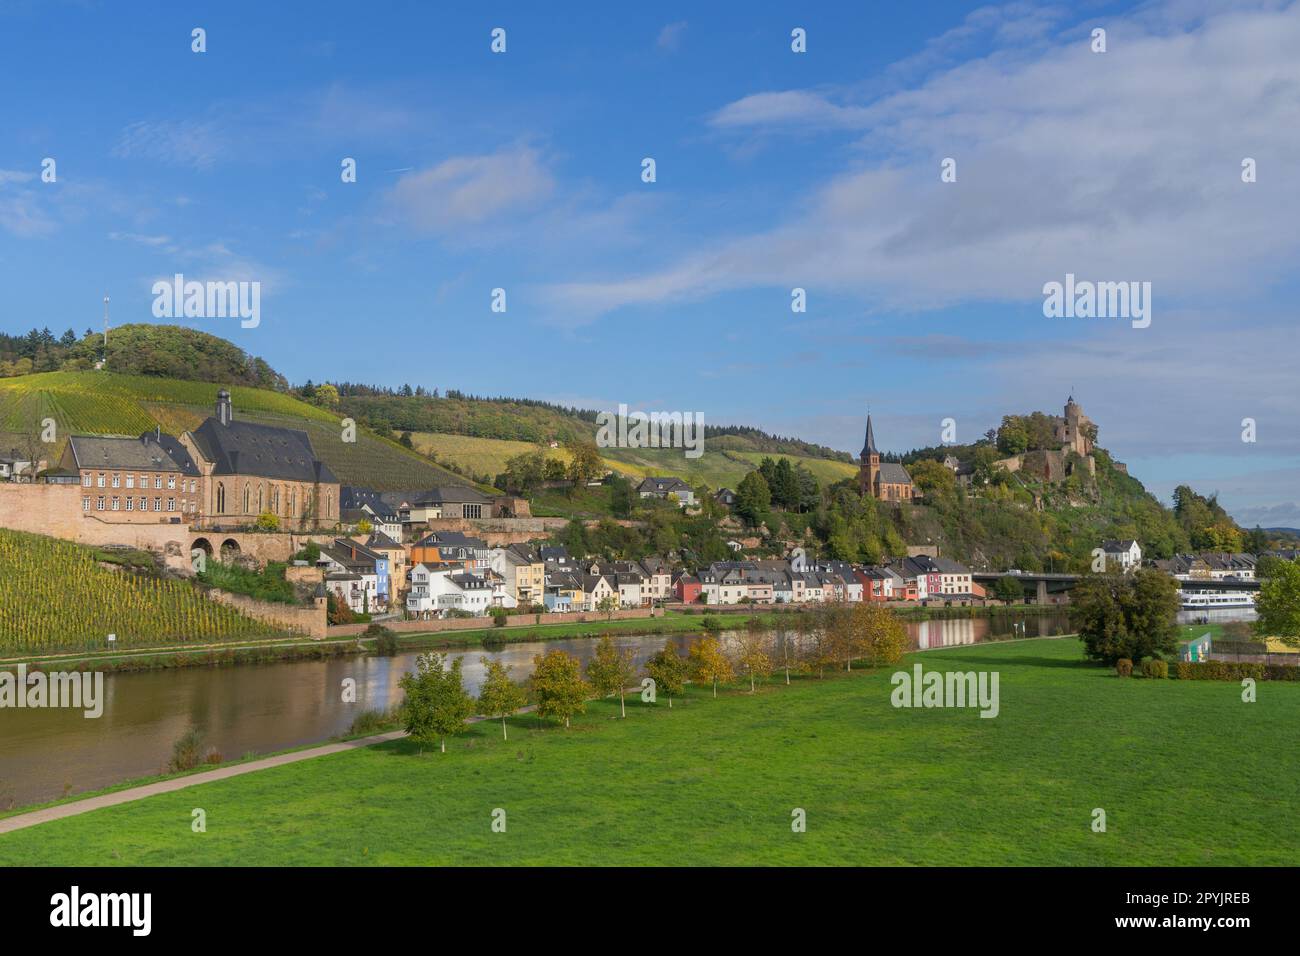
106 403
55 595
167 351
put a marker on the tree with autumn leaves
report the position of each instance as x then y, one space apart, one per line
611 670
499 695
558 685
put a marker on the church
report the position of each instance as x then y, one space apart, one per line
884 481
249 469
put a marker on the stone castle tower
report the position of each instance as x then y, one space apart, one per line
1074 429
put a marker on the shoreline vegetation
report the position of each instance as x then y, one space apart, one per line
295 648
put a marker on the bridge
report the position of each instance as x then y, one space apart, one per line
1044 588
1055 588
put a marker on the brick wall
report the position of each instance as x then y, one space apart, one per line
478 623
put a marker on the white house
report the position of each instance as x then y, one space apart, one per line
435 592
1126 555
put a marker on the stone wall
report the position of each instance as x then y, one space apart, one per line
479 623
498 532
309 621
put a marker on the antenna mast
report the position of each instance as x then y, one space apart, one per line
105 330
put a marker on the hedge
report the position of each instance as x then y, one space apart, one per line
1234 670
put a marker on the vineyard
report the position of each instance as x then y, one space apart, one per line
55 596
101 403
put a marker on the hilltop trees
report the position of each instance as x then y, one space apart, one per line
436 702
499 696
1126 615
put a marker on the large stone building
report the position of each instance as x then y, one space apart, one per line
884 481
141 480
249 469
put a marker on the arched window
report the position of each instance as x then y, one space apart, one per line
293 501
261 498
221 498
245 497
329 503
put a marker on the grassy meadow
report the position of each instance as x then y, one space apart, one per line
1187 773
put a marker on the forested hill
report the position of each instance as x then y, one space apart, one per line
163 351
422 409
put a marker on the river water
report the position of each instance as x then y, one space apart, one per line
261 708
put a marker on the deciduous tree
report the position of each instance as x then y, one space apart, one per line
611 670
499 695
436 703
558 685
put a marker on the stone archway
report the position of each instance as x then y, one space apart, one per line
203 544
229 549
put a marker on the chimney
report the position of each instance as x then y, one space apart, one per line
224 410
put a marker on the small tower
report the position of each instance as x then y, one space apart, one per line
225 411
870 467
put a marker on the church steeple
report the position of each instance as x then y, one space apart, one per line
869 446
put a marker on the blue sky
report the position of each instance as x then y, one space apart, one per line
775 170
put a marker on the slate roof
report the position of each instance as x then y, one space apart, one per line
663 486
892 473
131 454
267 451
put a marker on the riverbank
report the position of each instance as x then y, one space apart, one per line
714 782
294 648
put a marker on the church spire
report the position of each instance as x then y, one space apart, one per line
869 446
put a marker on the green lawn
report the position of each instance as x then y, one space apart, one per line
1186 772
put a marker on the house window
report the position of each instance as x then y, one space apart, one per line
85 503
157 504
99 503
130 504
221 498
117 481
99 480
85 480
144 481
473 511
116 503
157 481
130 481
171 481
144 504
171 504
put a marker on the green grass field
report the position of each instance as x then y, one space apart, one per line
1186 772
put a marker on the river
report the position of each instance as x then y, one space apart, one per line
262 708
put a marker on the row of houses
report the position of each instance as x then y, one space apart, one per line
919 578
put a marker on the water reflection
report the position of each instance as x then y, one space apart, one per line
266 707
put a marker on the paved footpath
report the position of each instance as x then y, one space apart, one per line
22 820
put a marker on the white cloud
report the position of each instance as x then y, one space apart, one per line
471 190
197 144
670 37
1124 165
